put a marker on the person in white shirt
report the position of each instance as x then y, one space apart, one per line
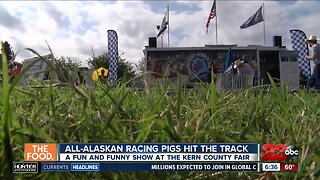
314 80
243 68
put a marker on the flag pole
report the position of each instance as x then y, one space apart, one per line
168 24
162 40
264 26
216 24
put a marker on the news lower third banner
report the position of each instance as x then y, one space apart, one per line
158 152
142 152
143 157
241 157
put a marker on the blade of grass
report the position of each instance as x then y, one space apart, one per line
7 151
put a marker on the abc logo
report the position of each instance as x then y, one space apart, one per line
279 152
291 152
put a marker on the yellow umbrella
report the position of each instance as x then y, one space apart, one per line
96 73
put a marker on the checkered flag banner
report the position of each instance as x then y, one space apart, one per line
113 55
299 44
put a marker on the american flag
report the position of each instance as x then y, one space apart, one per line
211 15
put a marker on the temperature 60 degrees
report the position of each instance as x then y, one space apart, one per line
289 167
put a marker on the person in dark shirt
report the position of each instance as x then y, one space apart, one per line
103 77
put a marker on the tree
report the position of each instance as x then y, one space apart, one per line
125 69
9 53
141 66
65 65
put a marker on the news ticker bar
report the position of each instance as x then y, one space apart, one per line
35 167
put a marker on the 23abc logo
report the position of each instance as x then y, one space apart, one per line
279 152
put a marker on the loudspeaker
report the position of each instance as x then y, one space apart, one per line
152 42
277 41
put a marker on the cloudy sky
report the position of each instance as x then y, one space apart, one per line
72 27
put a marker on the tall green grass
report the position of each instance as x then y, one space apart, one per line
6 116
120 114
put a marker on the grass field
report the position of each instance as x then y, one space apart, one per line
121 114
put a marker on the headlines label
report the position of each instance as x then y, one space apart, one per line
85 167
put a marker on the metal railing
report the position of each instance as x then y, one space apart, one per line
234 82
